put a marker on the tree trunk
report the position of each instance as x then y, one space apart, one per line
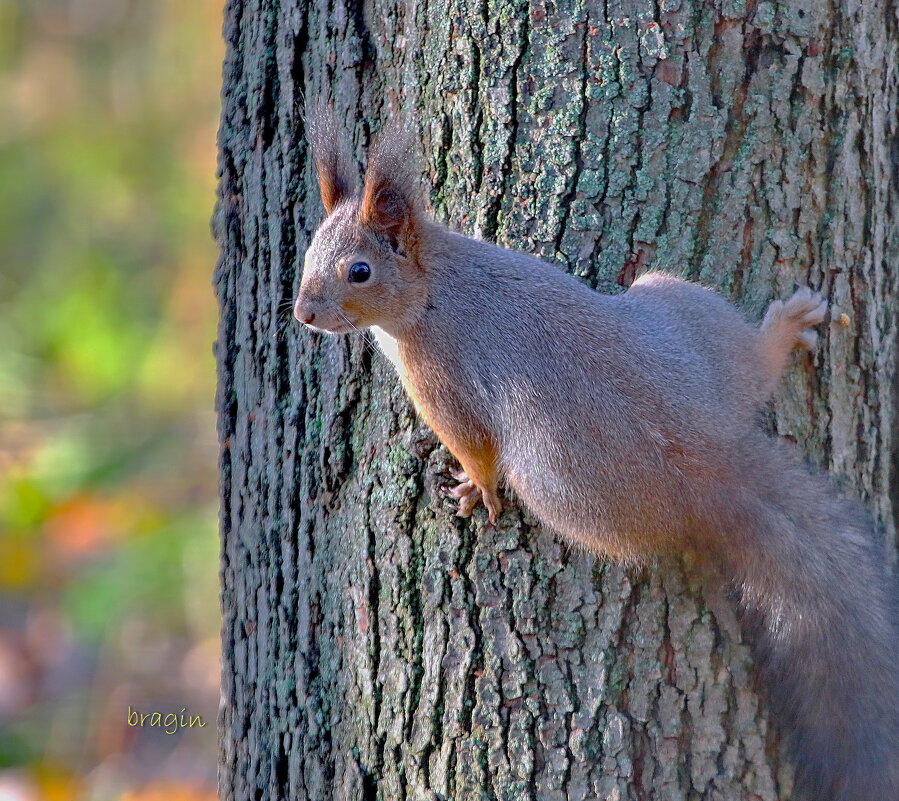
377 647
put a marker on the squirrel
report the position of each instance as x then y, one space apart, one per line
629 424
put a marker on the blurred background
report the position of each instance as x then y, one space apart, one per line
108 539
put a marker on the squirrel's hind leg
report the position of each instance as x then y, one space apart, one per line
789 325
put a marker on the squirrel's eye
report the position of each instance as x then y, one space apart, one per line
360 272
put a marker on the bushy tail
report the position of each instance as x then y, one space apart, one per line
824 621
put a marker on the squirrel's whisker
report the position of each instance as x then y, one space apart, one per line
365 334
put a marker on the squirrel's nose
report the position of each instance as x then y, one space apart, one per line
303 315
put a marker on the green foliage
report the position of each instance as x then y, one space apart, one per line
107 463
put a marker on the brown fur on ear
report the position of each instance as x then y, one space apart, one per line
337 174
391 194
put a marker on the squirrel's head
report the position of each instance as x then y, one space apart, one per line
362 267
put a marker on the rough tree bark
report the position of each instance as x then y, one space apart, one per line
376 647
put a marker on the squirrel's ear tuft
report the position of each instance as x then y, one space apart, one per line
337 174
391 194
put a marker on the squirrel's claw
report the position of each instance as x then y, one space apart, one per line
467 504
467 494
493 504
465 488
470 494
793 321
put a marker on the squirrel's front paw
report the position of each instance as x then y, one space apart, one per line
470 494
